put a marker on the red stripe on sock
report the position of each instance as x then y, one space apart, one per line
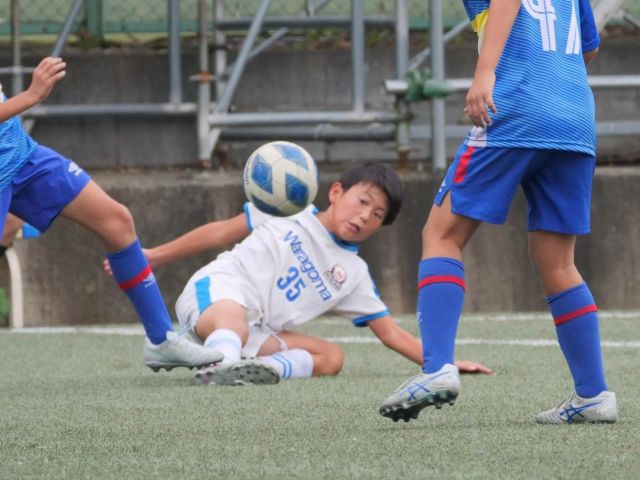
458 176
559 320
441 279
137 280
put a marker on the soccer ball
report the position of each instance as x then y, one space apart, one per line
281 178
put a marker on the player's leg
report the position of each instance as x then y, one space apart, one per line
295 355
479 186
5 202
12 226
440 299
556 215
48 185
223 326
441 283
113 223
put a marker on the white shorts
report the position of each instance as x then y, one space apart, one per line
221 280
257 337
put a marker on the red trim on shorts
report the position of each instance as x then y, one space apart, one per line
137 280
560 319
461 170
441 279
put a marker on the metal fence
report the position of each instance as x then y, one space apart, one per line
106 17
214 118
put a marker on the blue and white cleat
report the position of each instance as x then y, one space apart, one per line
420 391
575 409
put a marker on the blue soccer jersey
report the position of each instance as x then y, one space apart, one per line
15 147
541 91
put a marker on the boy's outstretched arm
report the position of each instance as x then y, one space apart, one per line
46 74
398 339
502 14
211 236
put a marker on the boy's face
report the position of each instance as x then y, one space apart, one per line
355 214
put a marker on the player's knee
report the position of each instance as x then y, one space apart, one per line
332 361
208 324
119 224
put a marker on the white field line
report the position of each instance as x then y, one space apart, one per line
498 317
531 342
135 330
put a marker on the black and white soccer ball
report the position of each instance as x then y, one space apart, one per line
281 178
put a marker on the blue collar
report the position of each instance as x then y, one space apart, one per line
352 247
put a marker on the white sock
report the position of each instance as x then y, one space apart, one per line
226 341
294 363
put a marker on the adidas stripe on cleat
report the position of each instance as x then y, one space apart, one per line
421 391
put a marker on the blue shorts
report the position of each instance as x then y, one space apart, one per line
42 188
482 182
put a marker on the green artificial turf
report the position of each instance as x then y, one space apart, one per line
82 405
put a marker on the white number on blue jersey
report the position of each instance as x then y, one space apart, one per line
543 11
292 283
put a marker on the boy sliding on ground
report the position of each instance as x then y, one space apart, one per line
288 271
37 184
540 134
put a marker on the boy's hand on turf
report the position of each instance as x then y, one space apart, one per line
45 75
472 367
480 97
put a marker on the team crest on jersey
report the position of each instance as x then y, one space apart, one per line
336 276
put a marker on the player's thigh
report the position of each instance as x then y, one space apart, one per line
478 187
45 185
94 209
313 345
5 202
559 193
12 226
445 234
227 314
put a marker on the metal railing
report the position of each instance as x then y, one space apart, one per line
213 119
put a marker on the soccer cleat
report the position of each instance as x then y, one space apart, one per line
244 372
575 409
420 391
178 351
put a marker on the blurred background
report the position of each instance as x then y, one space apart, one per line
165 99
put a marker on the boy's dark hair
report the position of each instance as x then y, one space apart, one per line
380 175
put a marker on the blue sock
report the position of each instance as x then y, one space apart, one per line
440 298
134 276
576 317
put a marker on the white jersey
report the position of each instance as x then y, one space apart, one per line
286 272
